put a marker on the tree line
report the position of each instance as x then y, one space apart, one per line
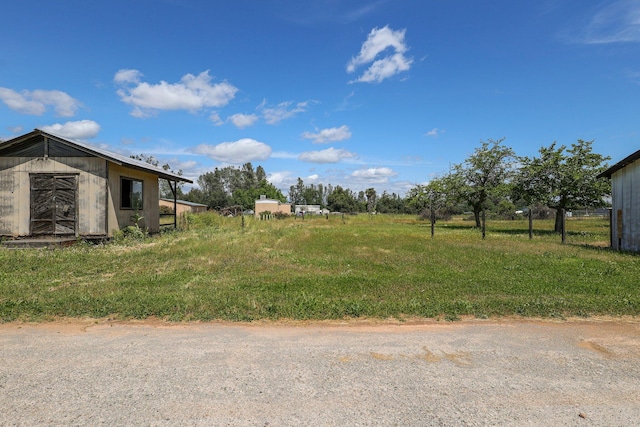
493 179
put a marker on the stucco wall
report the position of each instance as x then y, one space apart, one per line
120 218
273 206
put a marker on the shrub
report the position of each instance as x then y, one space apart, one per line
129 233
281 215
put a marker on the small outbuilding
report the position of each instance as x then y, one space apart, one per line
271 205
54 186
625 202
182 206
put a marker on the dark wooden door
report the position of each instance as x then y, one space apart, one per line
53 204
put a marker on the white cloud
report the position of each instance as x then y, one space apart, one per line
374 175
282 111
610 22
215 118
192 93
329 135
279 179
238 152
83 129
36 102
330 155
378 42
127 76
284 155
435 132
615 22
242 121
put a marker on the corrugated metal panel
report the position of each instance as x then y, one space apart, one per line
625 226
32 147
57 149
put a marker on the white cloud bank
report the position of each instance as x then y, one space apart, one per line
83 129
36 102
330 155
379 41
373 175
235 153
329 135
191 93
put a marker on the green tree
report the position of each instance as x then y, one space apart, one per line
372 197
562 178
390 203
342 200
296 193
260 173
301 194
212 189
247 198
484 175
248 178
436 199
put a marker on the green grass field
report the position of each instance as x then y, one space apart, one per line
344 267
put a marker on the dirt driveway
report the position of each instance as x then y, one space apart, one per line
470 373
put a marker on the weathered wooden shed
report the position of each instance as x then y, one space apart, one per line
53 186
625 201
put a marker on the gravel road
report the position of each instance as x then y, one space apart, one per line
469 373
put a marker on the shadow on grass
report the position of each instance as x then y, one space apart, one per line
509 231
607 249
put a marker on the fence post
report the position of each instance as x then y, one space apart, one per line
530 223
563 224
484 225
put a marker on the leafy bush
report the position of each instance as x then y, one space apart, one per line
281 215
129 233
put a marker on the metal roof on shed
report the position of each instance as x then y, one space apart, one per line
119 159
621 164
184 202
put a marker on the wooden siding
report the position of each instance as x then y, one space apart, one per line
625 219
120 218
15 193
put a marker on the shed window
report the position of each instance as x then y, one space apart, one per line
131 194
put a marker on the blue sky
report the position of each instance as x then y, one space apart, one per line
380 93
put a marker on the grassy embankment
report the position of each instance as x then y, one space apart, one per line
380 266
